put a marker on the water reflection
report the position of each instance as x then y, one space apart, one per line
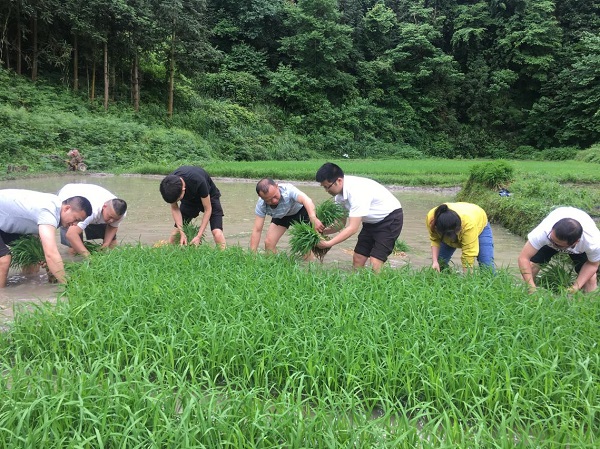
149 221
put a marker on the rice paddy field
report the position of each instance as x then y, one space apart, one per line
174 347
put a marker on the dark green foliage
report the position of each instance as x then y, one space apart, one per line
493 174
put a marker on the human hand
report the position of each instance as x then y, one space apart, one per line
196 240
318 225
324 244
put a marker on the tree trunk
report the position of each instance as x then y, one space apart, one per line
34 59
135 88
171 78
75 63
105 76
93 90
19 43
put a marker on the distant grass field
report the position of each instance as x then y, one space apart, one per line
407 172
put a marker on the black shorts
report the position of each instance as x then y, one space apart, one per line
378 239
7 238
301 216
189 211
546 253
92 232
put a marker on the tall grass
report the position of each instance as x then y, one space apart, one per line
202 348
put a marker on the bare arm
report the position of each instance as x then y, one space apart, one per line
109 235
312 214
178 223
259 222
435 256
525 267
205 220
585 274
53 258
351 228
74 238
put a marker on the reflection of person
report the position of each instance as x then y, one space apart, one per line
460 225
369 203
75 158
568 230
25 212
197 193
107 213
285 204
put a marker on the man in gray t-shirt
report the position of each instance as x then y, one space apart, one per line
24 212
285 204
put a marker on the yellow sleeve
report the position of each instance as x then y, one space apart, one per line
433 236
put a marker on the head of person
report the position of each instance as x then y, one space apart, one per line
73 210
172 188
331 178
113 210
268 190
73 152
566 232
446 222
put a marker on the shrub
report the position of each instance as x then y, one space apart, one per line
557 154
494 174
592 154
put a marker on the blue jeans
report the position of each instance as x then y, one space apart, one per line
485 258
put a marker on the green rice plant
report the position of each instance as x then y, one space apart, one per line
304 239
27 250
400 246
191 231
557 275
262 352
92 246
331 213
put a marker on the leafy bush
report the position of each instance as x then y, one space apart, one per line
557 154
492 174
592 154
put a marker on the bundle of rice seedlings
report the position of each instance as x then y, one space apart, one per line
330 213
92 246
557 275
304 238
191 231
27 251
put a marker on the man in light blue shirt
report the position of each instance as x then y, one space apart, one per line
285 204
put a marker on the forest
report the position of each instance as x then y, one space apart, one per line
362 78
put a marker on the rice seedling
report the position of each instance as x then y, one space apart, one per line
263 352
331 213
557 275
92 246
304 238
27 250
191 231
400 246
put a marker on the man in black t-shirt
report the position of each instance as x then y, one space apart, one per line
197 193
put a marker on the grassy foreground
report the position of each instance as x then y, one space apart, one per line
200 348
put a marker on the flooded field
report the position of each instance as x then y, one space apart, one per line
149 221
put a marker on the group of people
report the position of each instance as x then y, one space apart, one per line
372 209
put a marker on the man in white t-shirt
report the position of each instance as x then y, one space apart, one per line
568 230
24 212
108 212
369 203
285 204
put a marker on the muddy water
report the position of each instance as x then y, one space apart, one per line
149 221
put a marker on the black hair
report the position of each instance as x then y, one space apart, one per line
446 222
119 206
170 188
568 230
263 185
329 172
79 203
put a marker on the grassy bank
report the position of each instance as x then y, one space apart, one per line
252 351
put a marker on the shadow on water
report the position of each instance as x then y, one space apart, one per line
149 221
